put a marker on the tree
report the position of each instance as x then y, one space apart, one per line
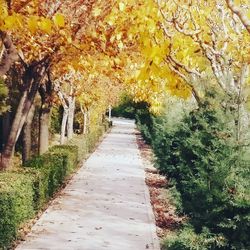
43 37
35 57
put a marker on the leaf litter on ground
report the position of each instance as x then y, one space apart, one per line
166 218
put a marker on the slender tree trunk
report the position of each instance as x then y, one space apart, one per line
46 92
44 119
4 129
240 104
88 121
71 113
85 117
85 122
27 141
10 144
63 124
110 113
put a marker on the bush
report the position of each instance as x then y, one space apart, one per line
187 239
86 143
145 122
125 109
23 194
209 171
50 170
16 204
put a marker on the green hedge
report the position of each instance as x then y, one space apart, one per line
87 142
24 193
16 204
50 170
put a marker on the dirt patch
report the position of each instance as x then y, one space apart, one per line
165 214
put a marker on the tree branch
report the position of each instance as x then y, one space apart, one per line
194 92
9 54
243 18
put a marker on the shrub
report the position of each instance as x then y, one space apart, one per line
16 204
145 122
187 239
209 171
49 171
86 143
125 109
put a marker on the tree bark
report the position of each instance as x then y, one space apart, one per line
71 113
110 113
88 121
63 124
27 141
11 141
239 12
46 92
85 117
9 54
32 78
5 128
44 119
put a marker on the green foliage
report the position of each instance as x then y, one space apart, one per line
187 239
130 109
144 121
125 109
3 97
16 204
23 194
86 143
50 170
55 119
208 169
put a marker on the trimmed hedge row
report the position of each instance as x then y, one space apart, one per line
50 170
24 193
89 140
16 204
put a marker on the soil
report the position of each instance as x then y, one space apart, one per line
166 217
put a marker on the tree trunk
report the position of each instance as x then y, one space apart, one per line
85 121
46 92
88 121
10 144
241 114
9 54
27 141
44 119
85 117
4 128
110 110
32 78
63 124
71 113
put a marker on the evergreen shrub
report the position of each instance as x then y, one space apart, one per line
16 204
210 171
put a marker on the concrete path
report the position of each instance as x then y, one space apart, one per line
105 206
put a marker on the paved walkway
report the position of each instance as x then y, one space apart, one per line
105 206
